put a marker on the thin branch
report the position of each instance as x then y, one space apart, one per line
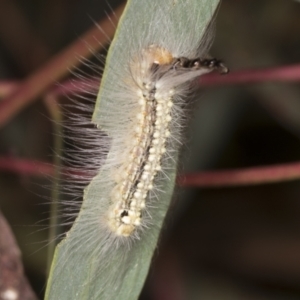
240 177
57 67
29 167
237 177
26 167
76 86
286 73
68 87
7 86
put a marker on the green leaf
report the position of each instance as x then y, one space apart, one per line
86 265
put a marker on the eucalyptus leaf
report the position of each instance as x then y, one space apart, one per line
86 264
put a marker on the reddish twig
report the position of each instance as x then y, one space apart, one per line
68 87
6 87
238 177
290 73
76 86
38 168
248 176
57 67
26 167
287 73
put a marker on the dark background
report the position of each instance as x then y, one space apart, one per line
226 243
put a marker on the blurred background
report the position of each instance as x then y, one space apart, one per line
225 243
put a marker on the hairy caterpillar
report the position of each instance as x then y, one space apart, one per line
140 107
150 130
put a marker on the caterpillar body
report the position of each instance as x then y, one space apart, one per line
151 130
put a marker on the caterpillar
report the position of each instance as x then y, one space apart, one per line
156 75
